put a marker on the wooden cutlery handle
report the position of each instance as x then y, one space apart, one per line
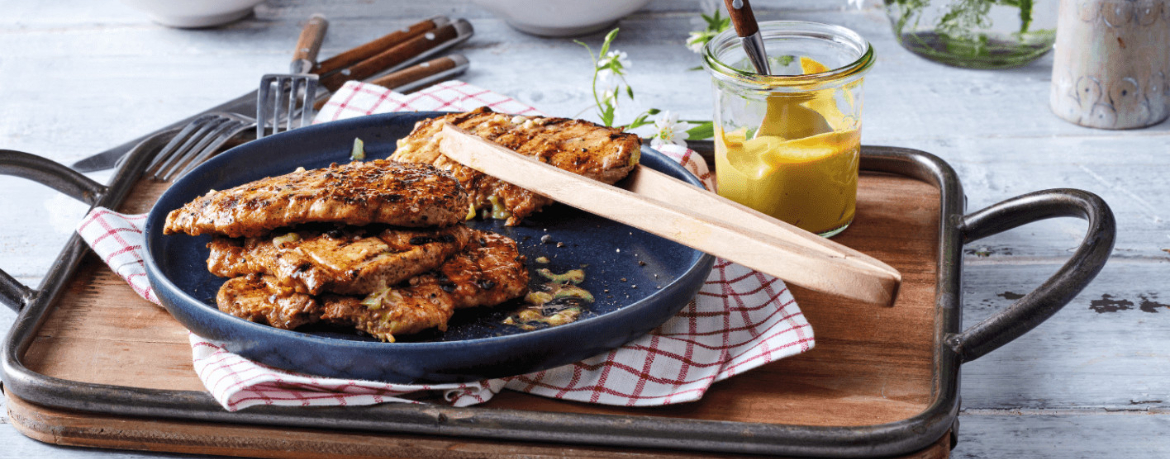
411 74
416 72
390 57
311 37
384 43
742 17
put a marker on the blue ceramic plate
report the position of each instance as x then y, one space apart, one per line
639 280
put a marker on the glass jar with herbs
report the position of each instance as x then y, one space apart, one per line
983 34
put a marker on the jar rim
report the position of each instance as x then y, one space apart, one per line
779 29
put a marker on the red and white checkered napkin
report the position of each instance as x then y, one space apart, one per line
740 319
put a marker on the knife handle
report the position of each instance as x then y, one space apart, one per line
372 48
412 74
415 73
390 57
311 37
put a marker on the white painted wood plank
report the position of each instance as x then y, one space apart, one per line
1062 436
1105 349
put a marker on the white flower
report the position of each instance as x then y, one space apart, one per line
613 63
670 130
604 75
697 39
620 57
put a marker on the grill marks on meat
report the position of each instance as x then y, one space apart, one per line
262 299
357 193
598 152
414 310
489 271
341 261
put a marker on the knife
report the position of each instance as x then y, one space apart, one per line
417 76
407 52
246 104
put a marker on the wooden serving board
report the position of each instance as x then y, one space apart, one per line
871 364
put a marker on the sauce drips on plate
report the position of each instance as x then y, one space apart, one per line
559 301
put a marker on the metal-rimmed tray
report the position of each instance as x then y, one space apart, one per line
950 345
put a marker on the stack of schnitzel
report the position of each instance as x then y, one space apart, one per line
379 245
375 245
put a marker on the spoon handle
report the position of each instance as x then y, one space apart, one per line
742 17
749 33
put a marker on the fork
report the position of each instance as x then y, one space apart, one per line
204 136
298 88
197 141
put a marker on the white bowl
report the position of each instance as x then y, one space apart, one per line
194 13
561 18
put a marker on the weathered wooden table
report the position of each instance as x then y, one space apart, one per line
77 77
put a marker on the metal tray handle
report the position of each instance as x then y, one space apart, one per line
1040 304
56 176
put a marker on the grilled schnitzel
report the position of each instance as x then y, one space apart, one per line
352 261
489 271
601 153
262 299
357 193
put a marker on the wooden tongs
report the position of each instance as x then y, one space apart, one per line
664 206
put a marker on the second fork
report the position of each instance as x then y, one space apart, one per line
296 90
198 140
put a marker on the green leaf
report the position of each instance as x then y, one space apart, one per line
607 115
716 22
784 61
605 44
630 91
638 122
721 23
696 68
587 48
702 131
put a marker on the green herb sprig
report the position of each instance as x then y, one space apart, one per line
716 23
607 64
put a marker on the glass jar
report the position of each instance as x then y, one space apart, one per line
981 34
788 144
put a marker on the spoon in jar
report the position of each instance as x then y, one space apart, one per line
784 117
749 34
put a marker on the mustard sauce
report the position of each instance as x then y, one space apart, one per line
557 302
800 165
